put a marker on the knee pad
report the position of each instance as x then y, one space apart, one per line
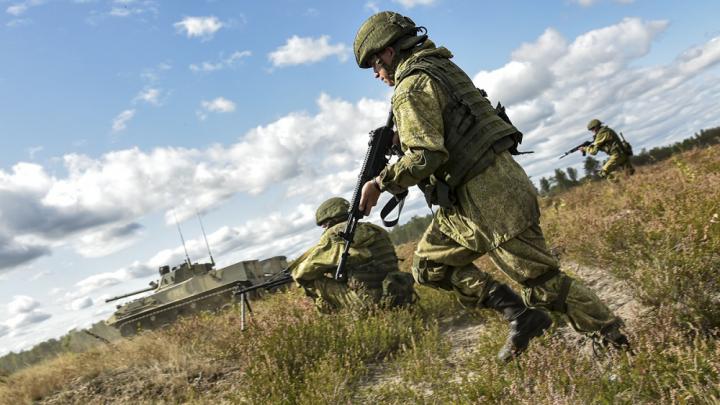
430 272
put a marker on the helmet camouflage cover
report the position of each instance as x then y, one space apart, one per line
378 32
593 123
332 208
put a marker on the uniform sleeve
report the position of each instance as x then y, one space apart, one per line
602 138
320 259
324 257
417 107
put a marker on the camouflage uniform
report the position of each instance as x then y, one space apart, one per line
372 257
495 212
608 141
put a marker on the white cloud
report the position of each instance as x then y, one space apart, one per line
200 27
81 303
21 304
120 122
89 208
413 3
23 312
224 63
306 50
26 319
150 96
220 105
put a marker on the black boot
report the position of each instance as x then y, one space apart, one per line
611 336
525 323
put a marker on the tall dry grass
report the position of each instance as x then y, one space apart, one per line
658 231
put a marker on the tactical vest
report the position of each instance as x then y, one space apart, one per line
474 132
615 145
384 260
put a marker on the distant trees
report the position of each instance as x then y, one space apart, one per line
591 167
411 230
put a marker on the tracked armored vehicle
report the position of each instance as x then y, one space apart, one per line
188 289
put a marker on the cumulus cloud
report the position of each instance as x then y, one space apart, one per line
107 240
81 303
94 207
224 63
22 304
14 252
306 50
199 27
121 120
218 105
23 312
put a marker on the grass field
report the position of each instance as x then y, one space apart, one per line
656 234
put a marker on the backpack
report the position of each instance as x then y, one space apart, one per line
626 147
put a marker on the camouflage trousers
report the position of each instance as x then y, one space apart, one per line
615 162
442 263
331 295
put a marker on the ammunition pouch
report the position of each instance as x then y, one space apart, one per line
442 192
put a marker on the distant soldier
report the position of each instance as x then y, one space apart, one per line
606 140
458 150
373 274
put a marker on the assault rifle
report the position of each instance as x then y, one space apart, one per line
577 148
380 149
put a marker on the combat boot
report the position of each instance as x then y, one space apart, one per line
611 336
525 323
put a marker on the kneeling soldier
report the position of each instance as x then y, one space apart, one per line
372 268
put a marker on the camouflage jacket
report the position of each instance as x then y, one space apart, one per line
372 255
605 140
491 208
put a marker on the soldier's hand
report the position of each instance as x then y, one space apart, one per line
369 197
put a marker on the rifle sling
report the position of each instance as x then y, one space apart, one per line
397 201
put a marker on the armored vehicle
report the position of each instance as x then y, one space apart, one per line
188 289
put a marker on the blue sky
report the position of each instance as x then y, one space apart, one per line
116 115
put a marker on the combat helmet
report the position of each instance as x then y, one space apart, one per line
593 123
382 30
333 208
